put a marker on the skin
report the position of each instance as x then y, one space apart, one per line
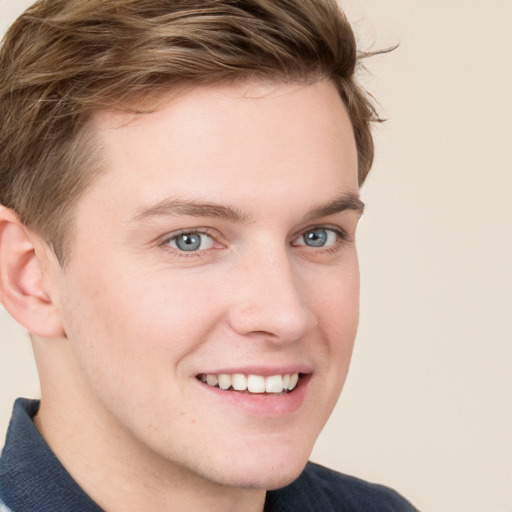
132 320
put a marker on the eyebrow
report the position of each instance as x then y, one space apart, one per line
170 207
345 202
176 207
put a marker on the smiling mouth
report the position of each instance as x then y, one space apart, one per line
257 384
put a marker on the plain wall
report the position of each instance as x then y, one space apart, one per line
427 407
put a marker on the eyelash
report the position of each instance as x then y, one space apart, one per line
341 239
184 254
340 234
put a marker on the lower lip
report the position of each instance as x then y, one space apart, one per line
263 405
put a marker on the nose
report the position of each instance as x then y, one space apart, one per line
270 300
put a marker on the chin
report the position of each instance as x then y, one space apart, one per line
281 480
263 478
262 470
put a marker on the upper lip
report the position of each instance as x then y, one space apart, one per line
265 371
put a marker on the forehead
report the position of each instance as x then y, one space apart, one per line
245 140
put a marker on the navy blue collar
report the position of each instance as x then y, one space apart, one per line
31 477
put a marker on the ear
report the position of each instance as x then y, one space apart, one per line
23 279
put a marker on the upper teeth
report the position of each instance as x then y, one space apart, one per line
252 383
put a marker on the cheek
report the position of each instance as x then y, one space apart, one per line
337 302
337 305
131 330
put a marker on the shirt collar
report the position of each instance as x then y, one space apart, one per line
31 477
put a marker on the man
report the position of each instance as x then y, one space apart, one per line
179 191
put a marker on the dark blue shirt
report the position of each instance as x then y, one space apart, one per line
33 480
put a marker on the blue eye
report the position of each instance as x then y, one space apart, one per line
189 242
319 237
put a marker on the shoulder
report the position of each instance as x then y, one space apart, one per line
319 488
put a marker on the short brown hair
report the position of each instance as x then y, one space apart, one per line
64 60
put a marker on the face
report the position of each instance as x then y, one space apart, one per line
213 264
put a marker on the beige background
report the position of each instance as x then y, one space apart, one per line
427 407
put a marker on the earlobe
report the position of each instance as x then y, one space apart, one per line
21 279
